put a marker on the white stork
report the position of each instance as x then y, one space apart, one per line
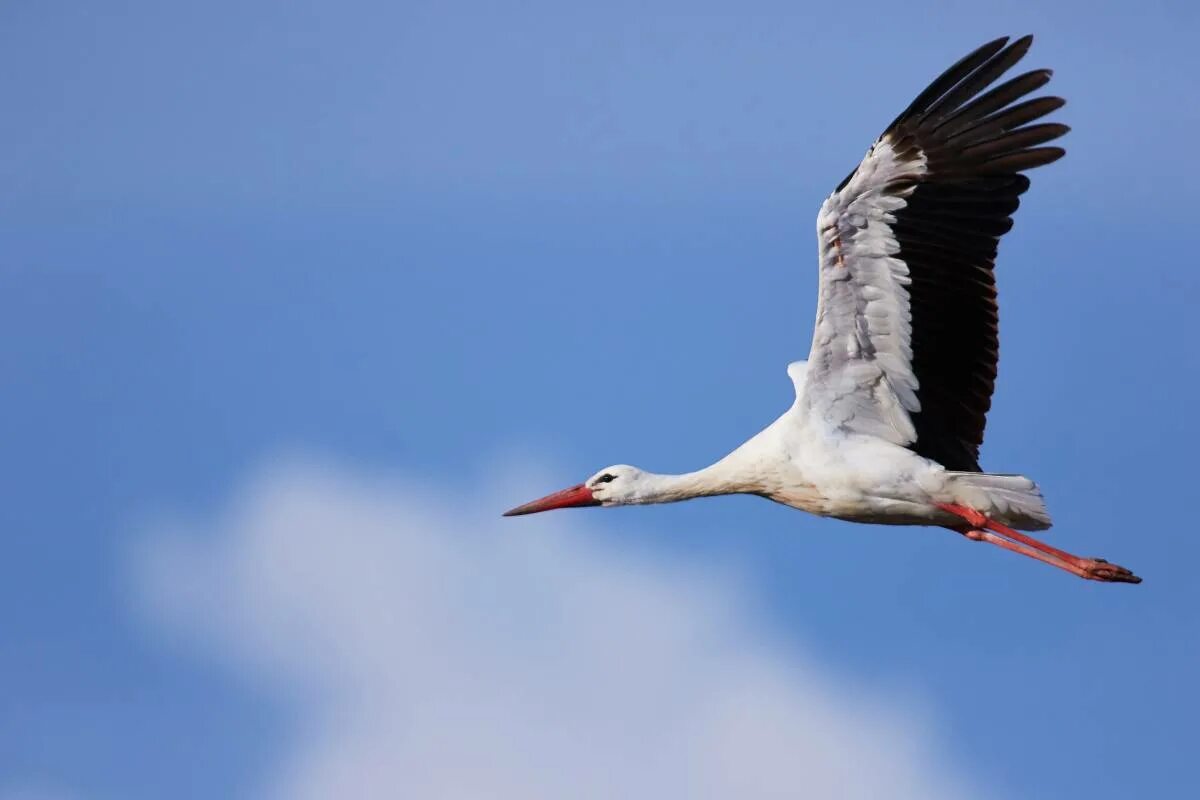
890 406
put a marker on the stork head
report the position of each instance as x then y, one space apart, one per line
617 485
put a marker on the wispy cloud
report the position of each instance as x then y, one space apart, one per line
431 649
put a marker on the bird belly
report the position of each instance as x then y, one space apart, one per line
857 507
862 479
888 511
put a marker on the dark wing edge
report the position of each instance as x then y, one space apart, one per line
974 143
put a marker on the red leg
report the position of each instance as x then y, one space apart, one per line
1096 569
991 538
978 520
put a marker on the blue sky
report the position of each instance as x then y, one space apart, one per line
478 247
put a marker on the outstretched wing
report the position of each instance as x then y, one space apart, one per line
906 339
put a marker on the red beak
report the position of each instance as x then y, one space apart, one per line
568 498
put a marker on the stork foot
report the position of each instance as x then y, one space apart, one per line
1097 569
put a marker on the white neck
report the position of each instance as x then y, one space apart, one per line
727 476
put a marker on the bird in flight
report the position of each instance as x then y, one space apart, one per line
891 405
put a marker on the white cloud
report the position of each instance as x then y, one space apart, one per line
434 650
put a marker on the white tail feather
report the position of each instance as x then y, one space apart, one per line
1012 500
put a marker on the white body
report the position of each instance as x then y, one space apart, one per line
802 461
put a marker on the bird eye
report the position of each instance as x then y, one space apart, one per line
606 478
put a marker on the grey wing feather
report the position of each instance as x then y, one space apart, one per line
860 375
906 340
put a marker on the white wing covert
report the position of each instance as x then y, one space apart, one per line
906 339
